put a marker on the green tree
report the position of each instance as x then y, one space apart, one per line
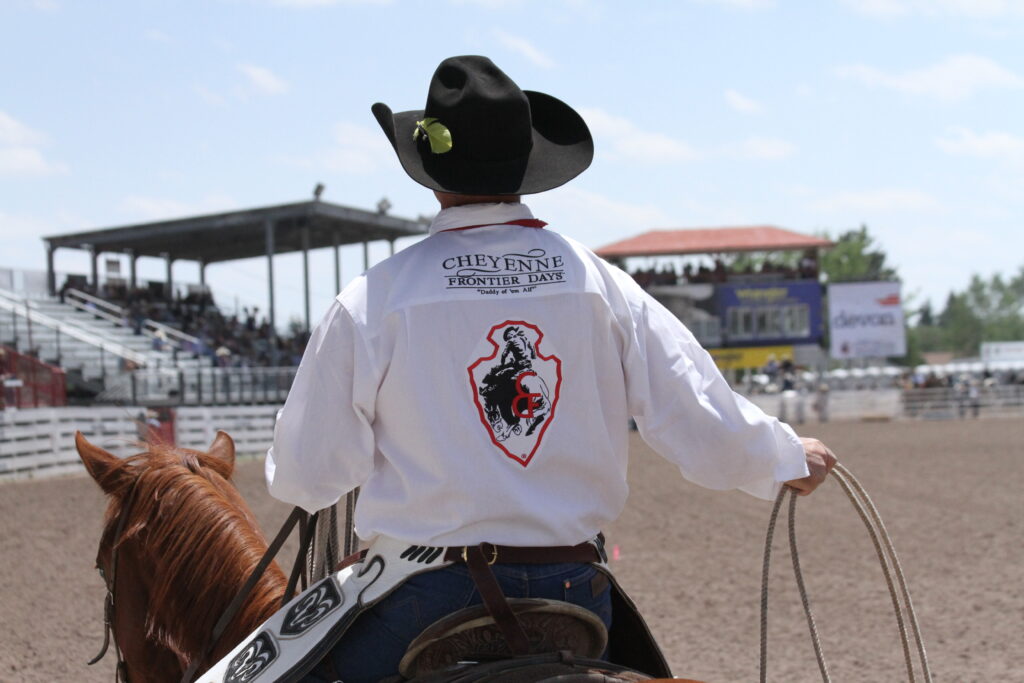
855 257
962 326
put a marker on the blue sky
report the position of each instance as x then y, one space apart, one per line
905 115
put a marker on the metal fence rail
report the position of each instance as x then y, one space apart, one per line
208 386
945 403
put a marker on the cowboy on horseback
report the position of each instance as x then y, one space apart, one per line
452 515
518 348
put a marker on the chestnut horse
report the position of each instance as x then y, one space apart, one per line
177 545
186 544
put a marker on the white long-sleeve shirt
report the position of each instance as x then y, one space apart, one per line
477 386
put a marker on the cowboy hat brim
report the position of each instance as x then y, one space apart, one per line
562 149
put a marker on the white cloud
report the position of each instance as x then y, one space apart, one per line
353 149
989 145
13 132
157 36
884 199
525 49
742 103
263 80
955 78
740 4
27 161
209 96
326 3
627 141
979 9
594 218
44 5
20 155
17 226
764 149
624 140
144 208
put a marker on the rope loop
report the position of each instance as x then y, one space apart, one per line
902 604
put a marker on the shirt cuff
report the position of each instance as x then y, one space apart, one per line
791 463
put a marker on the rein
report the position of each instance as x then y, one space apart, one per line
298 516
886 555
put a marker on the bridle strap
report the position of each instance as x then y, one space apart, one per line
121 673
298 515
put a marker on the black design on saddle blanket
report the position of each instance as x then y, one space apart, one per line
315 604
253 660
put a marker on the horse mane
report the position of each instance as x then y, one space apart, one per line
196 532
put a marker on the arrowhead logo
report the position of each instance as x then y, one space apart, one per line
515 388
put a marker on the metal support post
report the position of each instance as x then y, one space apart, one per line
28 326
51 274
94 271
268 228
305 271
170 277
337 261
133 259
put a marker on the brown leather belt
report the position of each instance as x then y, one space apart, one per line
479 558
511 554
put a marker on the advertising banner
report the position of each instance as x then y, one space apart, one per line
750 357
866 320
767 313
994 352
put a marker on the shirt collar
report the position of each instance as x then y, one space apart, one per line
478 214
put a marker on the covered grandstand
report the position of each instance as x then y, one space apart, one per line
121 340
744 314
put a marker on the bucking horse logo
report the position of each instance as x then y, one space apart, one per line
515 388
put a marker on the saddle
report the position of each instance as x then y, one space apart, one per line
472 635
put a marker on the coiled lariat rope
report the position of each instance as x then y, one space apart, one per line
886 555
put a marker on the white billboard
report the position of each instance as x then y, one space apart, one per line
866 320
994 352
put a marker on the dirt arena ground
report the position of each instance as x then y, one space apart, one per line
949 492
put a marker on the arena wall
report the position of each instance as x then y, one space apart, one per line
41 442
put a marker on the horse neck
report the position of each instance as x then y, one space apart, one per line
200 551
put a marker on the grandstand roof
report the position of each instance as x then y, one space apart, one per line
242 234
711 241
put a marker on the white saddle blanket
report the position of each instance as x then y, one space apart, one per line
298 635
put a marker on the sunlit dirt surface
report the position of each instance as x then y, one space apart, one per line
950 494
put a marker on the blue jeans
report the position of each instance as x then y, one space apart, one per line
372 647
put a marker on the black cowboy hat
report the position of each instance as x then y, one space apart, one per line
480 134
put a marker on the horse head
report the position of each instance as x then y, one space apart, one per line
178 542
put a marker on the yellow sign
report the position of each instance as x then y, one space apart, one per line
749 357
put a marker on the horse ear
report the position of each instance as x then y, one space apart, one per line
222 454
102 466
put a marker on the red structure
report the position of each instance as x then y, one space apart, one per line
712 241
30 383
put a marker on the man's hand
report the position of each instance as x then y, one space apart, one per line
820 461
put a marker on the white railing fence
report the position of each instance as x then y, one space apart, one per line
41 442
